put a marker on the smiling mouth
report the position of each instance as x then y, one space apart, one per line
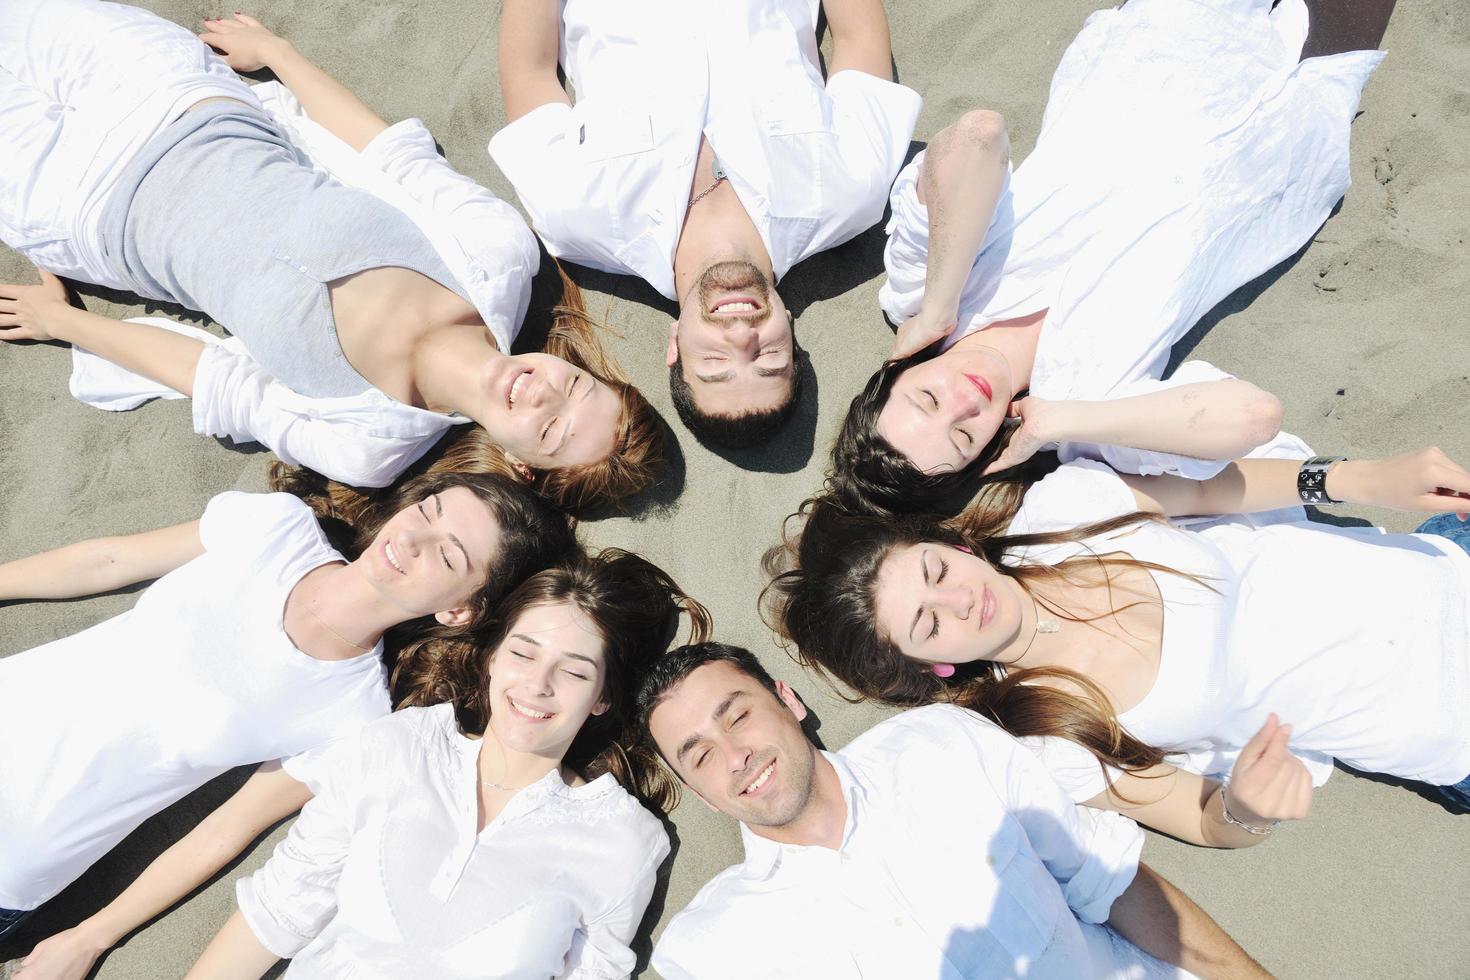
517 385
760 780
527 712
987 608
392 557
981 385
736 306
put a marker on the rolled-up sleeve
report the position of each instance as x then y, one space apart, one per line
603 951
290 900
235 398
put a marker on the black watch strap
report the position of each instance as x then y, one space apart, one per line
1311 480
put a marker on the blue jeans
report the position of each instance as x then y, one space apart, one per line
1451 527
10 918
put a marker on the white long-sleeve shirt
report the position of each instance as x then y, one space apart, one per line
383 874
960 858
365 440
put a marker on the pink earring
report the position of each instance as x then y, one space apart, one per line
960 547
943 671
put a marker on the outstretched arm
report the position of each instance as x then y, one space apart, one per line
1162 920
1423 480
42 313
530 41
248 46
960 183
267 797
100 565
1222 419
860 38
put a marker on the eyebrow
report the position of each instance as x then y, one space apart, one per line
920 611
768 372
718 713
714 379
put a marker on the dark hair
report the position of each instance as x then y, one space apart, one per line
631 467
736 431
821 600
533 536
870 476
635 606
679 663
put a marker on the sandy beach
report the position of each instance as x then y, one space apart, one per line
1361 335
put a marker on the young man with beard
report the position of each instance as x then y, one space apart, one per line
934 845
706 154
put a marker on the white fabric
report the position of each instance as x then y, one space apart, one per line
960 859
1359 640
104 728
1184 152
607 181
364 440
383 874
74 110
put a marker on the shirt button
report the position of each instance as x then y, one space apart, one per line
898 921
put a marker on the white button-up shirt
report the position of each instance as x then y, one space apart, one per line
364 440
1185 151
607 181
383 874
961 858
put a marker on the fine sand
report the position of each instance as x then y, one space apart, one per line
1361 335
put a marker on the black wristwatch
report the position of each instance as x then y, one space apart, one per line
1311 480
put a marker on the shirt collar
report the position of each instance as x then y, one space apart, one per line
763 856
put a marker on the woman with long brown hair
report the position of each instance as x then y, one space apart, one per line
258 641
1140 655
373 292
510 770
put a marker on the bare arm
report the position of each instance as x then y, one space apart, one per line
1423 480
530 42
42 313
1268 784
248 46
860 38
233 954
959 184
1160 919
100 564
267 797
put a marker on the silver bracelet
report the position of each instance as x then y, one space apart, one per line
1234 822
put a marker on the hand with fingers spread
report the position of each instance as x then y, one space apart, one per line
30 312
1031 417
919 331
1424 480
245 44
68 955
1268 783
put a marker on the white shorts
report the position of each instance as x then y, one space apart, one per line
83 86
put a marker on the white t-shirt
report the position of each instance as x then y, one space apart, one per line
1359 640
100 730
607 180
1184 152
383 874
960 859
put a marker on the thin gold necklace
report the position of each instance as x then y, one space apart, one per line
310 612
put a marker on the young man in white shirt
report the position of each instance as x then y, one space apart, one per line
706 154
933 845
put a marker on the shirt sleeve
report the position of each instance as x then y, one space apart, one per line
1080 492
1091 854
249 523
603 951
1072 767
235 398
872 123
290 900
503 253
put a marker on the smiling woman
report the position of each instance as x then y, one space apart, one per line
257 642
531 734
